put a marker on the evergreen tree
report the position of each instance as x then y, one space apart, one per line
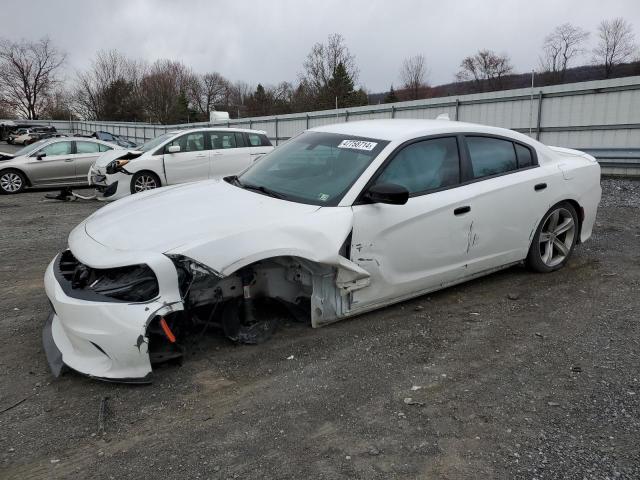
391 97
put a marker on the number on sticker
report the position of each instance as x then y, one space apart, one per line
358 145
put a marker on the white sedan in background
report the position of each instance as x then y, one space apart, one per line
179 156
340 220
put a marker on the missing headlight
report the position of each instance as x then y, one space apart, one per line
132 283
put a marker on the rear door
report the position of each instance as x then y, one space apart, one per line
191 163
229 153
86 153
509 196
55 166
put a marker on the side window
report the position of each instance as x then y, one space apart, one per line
221 140
240 140
87 147
525 159
424 166
191 142
104 148
490 156
58 148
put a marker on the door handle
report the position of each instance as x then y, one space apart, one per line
200 156
540 186
69 160
217 153
462 210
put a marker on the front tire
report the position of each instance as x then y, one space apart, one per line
143 181
12 181
554 239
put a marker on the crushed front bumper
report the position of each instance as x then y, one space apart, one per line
109 187
105 340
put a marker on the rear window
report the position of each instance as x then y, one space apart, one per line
87 147
491 156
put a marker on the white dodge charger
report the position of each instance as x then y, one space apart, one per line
340 220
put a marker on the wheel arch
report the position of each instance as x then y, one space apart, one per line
145 170
580 212
16 169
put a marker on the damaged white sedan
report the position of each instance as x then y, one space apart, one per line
340 220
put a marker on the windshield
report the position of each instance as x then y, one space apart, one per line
314 167
30 148
153 143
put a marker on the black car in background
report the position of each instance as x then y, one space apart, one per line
112 138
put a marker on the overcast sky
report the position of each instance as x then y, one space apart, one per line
267 41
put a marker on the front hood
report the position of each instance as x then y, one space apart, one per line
107 157
184 216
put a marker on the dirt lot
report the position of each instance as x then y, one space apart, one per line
515 375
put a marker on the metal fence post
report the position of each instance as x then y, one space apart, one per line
457 108
539 115
307 121
393 111
346 116
250 124
277 138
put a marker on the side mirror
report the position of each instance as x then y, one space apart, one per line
41 155
390 193
173 149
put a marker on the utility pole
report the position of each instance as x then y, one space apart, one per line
531 103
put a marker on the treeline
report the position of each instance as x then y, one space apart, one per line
118 88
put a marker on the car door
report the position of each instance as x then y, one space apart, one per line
509 195
229 153
190 163
423 244
52 164
86 153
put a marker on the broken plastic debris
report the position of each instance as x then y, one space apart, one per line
415 387
290 357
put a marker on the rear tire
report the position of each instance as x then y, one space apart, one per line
143 181
12 181
555 239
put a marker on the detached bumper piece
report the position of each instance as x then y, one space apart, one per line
108 190
54 356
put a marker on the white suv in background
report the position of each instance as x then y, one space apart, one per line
177 157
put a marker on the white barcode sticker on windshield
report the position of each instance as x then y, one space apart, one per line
358 145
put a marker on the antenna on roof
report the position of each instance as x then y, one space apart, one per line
443 116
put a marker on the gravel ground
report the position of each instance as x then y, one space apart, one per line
515 375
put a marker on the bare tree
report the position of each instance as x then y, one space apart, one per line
485 66
206 91
412 75
323 59
164 91
109 89
560 47
28 72
616 44
58 105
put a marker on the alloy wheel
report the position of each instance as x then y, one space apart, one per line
145 182
556 237
11 182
